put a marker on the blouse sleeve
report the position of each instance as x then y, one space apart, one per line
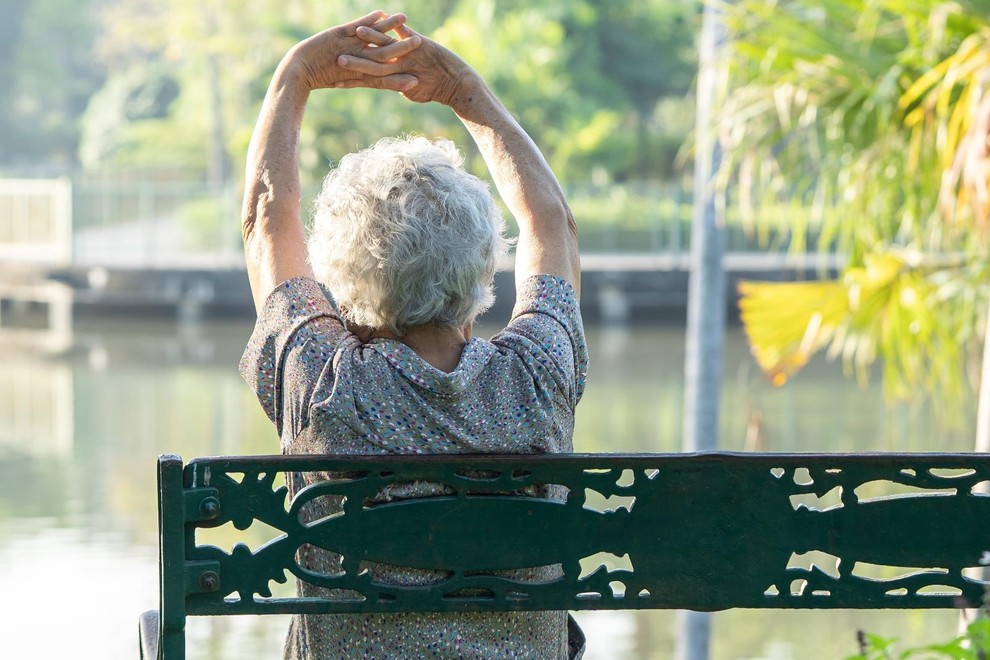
547 331
290 350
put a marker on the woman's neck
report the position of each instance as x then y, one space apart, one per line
438 345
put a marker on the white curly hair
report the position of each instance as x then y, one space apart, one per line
403 236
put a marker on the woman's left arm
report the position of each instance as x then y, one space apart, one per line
274 243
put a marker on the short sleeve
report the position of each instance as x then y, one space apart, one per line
547 327
293 342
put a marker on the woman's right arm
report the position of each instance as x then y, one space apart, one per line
547 233
548 242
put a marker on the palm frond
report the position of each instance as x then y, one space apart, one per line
787 323
873 116
913 311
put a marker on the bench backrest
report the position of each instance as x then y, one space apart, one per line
703 532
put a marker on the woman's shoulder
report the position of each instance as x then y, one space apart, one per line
546 331
546 306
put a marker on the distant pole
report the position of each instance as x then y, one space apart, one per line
218 162
983 410
706 302
982 445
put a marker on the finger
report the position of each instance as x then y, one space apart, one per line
405 32
374 37
399 82
380 61
390 23
395 49
368 67
366 20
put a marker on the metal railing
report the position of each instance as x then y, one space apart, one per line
36 221
153 224
174 224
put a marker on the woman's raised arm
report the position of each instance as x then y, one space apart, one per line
274 244
547 232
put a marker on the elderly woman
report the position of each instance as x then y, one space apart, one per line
406 243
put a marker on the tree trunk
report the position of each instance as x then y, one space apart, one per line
983 410
981 445
706 304
217 170
218 164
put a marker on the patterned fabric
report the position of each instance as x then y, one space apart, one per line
327 392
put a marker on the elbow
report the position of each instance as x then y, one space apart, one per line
575 250
248 222
570 222
256 202
569 227
252 236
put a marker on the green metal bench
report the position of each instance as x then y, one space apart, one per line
686 531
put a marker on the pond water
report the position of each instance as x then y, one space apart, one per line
82 423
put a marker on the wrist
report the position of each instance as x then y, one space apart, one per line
468 95
293 71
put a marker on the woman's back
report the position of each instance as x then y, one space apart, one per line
328 392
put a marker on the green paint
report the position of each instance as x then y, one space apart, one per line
702 531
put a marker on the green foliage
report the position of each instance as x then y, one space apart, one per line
644 52
874 115
820 110
973 645
602 88
47 76
205 224
124 116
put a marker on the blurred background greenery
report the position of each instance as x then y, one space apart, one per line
176 84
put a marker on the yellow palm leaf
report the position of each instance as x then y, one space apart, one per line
786 323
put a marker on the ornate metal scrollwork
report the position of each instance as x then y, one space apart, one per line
703 532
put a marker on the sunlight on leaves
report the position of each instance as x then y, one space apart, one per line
874 117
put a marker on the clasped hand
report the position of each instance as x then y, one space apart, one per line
362 54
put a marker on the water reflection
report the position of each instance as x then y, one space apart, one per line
82 421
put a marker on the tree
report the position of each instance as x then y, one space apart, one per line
863 125
47 76
548 60
646 52
206 57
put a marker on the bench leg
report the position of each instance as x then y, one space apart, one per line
148 635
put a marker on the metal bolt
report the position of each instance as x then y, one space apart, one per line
209 507
209 581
